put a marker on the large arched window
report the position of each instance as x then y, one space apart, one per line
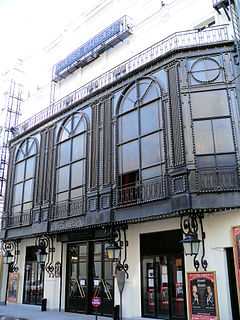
24 176
71 160
141 157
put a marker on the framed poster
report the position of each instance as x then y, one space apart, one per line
236 250
202 295
179 292
13 287
164 294
58 269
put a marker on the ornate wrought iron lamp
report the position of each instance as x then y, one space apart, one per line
11 253
45 242
117 244
190 227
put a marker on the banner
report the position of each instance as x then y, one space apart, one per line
236 250
202 295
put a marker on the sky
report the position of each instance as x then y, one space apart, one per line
27 25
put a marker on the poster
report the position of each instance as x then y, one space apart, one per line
202 295
13 287
236 250
179 292
164 293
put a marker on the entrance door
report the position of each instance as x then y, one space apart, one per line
77 278
89 273
163 284
34 276
163 287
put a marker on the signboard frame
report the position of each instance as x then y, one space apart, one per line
202 295
236 252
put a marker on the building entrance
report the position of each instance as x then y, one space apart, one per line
89 273
34 278
163 283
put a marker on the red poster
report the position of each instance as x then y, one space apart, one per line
13 287
236 249
202 295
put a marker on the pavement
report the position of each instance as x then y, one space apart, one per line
29 312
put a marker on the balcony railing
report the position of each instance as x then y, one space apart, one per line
141 192
17 219
224 179
178 40
65 209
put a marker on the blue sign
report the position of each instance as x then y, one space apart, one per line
96 301
89 46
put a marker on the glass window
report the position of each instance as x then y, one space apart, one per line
78 125
129 126
30 166
148 144
76 193
77 173
129 156
78 148
149 118
151 172
63 178
209 104
203 137
223 135
64 153
19 172
17 193
27 191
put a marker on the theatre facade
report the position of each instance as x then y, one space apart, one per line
134 162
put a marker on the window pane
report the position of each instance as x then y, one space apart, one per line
19 172
149 118
27 206
78 150
62 179
28 191
129 100
206 162
226 160
31 148
17 193
129 126
77 174
83 253
223 135
78 125
62 196
148 144
210 103
64 153
203 137
76 193
30 166
151 172
129 157
16 209
150 94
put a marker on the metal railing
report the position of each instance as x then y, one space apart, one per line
175 41
64 209
17 219
218 179
141 192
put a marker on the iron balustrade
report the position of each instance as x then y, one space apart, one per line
141 192
17 219
68 208
178 40
218 179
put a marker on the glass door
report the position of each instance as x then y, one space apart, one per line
163 287
77 278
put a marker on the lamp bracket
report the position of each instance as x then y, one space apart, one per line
191 225
46 242
12 246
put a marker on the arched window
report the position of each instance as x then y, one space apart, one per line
24 176
71 159
141 158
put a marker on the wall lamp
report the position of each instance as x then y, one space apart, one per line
11 253
44 243
190 228
116 237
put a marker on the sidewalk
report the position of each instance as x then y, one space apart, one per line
28 312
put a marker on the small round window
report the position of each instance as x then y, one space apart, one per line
205 70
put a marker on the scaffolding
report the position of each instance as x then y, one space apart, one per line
10 112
